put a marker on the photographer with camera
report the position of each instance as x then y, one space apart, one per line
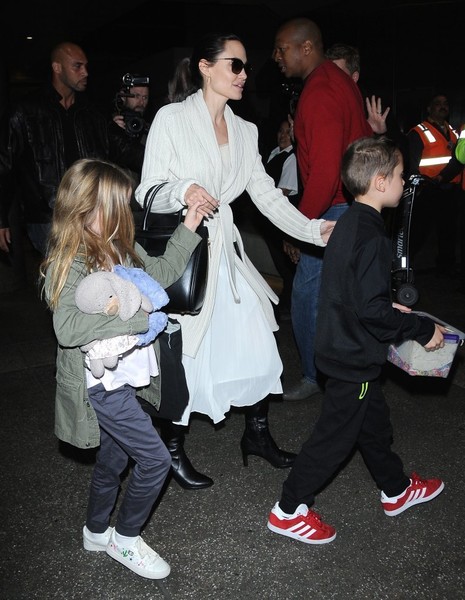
130 105
131 102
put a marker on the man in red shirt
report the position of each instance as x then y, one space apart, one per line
329 116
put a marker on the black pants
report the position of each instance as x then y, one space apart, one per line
437 209
353 415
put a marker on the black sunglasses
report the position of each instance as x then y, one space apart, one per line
237 65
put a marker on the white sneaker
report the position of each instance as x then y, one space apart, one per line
139 558
96 542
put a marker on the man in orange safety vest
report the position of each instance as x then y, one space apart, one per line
431 146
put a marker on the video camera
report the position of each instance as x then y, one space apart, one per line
133 121
130 81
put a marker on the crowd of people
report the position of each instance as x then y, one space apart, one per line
78 176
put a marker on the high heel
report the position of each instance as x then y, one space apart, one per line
182 470
257 439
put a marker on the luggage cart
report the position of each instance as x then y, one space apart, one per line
402 275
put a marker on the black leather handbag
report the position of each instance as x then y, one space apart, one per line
153 230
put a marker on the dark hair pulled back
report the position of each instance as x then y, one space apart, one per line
187 77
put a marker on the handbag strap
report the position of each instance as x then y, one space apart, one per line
148 201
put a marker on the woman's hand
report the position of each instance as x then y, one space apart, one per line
198 196
326 230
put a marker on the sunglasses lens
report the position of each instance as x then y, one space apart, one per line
237 65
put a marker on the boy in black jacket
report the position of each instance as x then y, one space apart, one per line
356 323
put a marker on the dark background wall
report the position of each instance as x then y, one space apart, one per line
409 49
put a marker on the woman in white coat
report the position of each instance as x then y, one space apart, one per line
205 152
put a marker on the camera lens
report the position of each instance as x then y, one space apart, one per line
127 79
134 123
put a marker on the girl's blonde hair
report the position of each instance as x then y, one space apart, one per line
91 190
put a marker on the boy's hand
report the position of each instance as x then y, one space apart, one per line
437 341
326 230
401 307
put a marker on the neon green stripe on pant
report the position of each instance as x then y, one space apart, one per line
363 390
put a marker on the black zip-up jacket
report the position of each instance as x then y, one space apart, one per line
356 321
33 162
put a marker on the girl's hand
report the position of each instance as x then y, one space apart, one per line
195 214
198 196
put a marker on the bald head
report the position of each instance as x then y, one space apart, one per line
301 30
69 68
66 50
298 47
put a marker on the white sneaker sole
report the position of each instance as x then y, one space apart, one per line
296 536
409 504
161 573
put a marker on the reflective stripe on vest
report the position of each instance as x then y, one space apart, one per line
429 136
436 150
440 160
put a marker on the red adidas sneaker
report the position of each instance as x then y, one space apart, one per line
419 490
304 525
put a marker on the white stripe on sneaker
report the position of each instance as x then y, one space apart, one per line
300 528
310 533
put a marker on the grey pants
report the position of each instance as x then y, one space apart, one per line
126 431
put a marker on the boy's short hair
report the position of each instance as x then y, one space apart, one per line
365 158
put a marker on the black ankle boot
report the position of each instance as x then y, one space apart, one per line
182 469
257 438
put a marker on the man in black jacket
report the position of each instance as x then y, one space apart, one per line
48 131
356 323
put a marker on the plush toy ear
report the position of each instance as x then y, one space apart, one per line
128 295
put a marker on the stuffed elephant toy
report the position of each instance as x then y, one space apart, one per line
113 293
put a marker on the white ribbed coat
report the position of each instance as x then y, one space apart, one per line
182 149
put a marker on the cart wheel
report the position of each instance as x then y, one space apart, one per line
407 294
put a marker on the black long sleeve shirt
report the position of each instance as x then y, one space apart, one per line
356 320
